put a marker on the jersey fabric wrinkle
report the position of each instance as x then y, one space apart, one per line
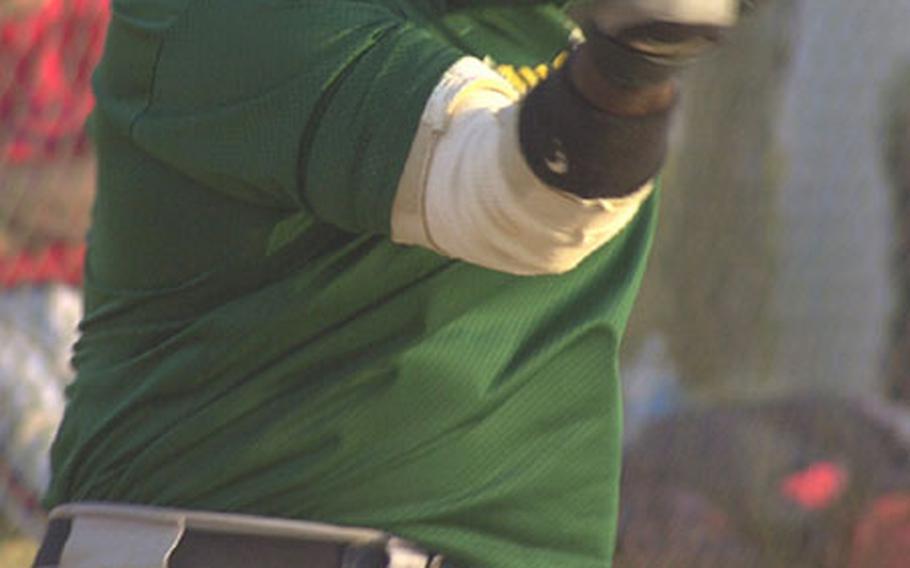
254 343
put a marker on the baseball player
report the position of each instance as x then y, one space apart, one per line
357 278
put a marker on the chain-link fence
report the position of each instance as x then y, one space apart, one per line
774 267
779 278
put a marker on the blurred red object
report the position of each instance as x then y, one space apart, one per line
57 263
817 486
48 50
46 62
882 537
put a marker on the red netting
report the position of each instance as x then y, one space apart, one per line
47 55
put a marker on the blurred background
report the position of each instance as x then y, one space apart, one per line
770 347
781 261
48 49
767 365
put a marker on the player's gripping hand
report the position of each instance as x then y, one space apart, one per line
597 128
642 42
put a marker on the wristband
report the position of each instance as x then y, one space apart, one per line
571 145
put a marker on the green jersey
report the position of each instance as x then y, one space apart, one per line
253 341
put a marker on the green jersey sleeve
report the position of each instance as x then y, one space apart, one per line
292 105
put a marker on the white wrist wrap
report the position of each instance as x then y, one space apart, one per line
466 191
